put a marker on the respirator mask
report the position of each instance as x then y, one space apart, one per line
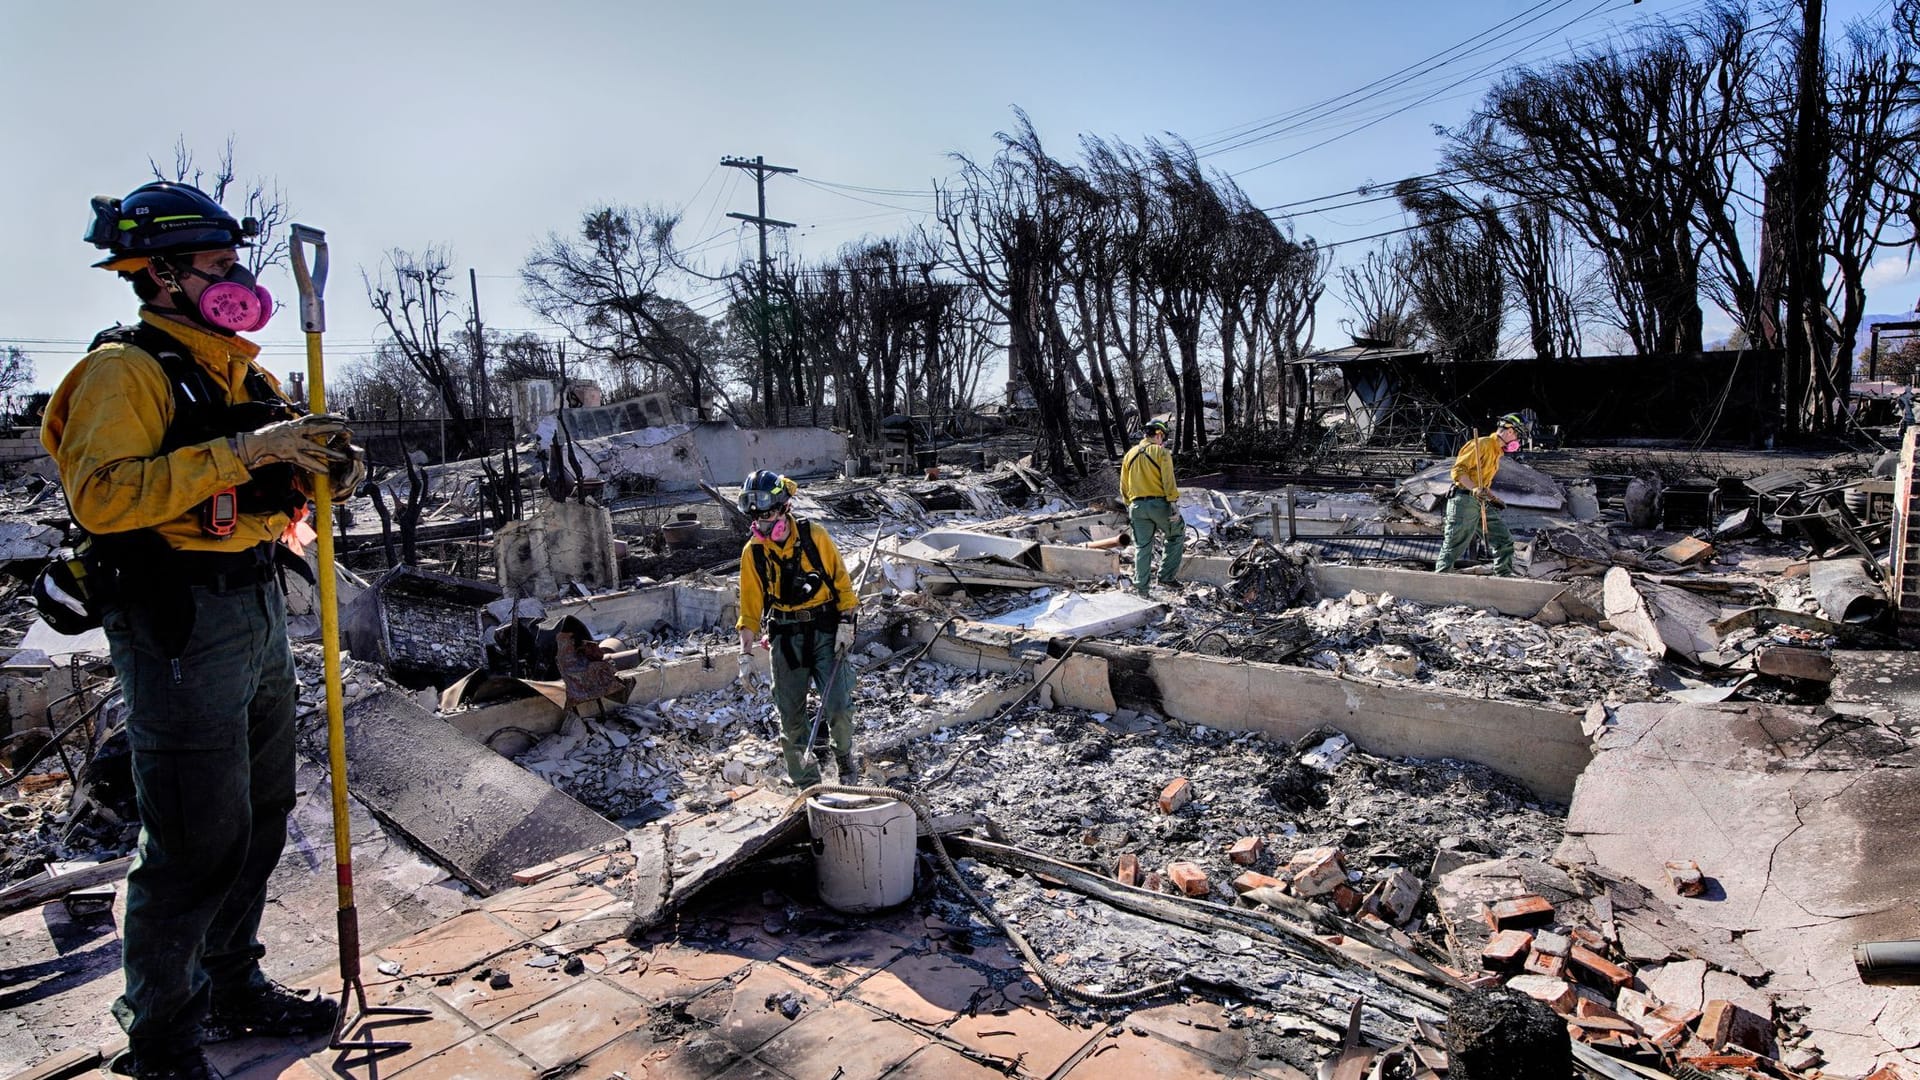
1511 445
232 302
774 528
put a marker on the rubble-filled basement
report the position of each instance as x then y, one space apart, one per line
1312 811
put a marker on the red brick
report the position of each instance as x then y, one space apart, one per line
1522 912
1126 870
1685 877
1316 871
1246 850
1723 1023
1188 878
1345 898
1590 938
1539 963
1176 794
1250 881
1505 950
1154 882
1600 967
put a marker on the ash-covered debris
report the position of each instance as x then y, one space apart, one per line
637 762
1086 787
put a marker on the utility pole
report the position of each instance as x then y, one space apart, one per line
761 170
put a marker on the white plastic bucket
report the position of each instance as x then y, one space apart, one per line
863 851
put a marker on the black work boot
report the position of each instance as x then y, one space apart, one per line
174 1064
264 1007
848 769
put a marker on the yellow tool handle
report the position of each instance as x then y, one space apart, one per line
312 282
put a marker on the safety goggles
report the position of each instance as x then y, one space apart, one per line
759 501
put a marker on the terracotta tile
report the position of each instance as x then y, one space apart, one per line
1039 1042
1199 1025
479 1002
604 924
442 1028
282 1063
944 1063
673 973
858 950
845 1040
537 909
740 1012
572 1024
751 1070
929 989
479 1058
697 1057
1144 1055
453 946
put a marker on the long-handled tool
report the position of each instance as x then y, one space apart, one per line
313 319
840 659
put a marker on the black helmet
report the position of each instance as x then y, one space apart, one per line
162 218
765 490
1154 427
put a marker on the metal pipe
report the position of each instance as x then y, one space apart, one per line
1846 590
1884 963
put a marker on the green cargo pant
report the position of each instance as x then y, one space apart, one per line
1148 516
812 646
211 730
1463 524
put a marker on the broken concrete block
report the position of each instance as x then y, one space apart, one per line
1555 994
1126 870
1246 850
1396 896
1188 878
1506 950
1546 941
1316 871
1685 877
1599 967
1788 662
1521 912
1176 794
1722 1023
1250 881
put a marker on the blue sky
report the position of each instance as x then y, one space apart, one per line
483 125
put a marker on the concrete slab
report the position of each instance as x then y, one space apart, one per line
1870 682
1800 821
1081 615
1516 597
479 814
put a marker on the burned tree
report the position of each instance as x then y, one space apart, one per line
413 296
605 290
1007 222
263 200
1379 289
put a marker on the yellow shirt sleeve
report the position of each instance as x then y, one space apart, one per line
753 601
103 428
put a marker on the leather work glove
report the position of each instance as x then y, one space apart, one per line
843 637
301 442
345 476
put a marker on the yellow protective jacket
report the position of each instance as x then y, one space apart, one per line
104 426
755 598
1147 472
1473 469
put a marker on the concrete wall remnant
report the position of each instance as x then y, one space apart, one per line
421 626
564 544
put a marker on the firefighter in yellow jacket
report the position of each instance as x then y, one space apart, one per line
1472 505
184 465
1153 505
791 577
